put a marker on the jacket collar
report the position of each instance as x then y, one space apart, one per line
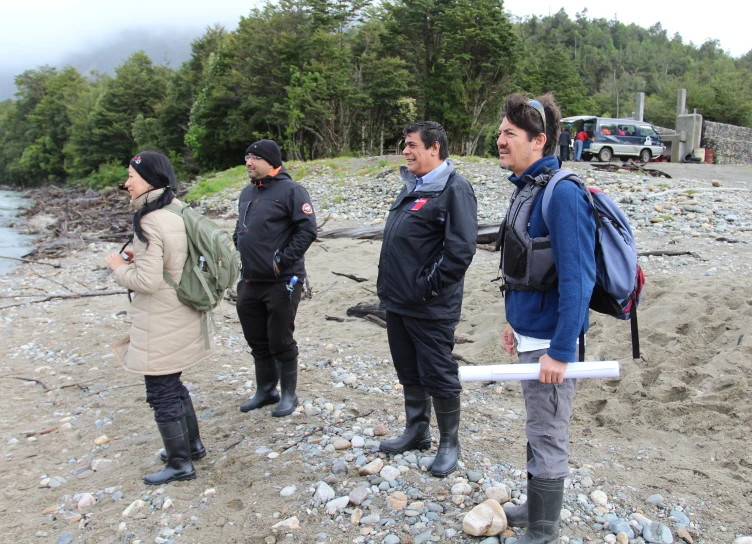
270 180
437 184
549 162
148 196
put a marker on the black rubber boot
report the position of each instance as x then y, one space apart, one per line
544 498
517 515
288 382
448 418
417 434
179 465
198 451
266 385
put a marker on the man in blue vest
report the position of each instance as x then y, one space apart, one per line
548 274
429 242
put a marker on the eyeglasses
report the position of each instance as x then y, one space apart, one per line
539 108
250 157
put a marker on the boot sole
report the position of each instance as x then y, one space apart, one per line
286 412
444 474
244 407
175 479
422 446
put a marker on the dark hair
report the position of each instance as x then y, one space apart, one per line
525 116
430 133
157 171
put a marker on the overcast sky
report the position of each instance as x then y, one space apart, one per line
35 32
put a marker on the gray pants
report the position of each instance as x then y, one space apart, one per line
549 408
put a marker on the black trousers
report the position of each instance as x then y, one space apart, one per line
564 152
422 353
267 314
165 395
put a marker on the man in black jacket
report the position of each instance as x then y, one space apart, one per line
429 242
276 226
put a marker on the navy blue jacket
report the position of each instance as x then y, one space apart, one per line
429 242
558 314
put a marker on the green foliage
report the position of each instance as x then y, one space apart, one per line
209 185
109 174
335 78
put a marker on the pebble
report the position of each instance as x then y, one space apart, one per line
658 533
656 500
374 467
389 473
323 493
288 524
500 494
359 494
599 498
65 538
288 491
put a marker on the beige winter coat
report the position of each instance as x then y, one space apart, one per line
166 335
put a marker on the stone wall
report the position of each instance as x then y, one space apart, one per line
731 144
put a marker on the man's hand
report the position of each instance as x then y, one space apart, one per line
551 370
115 261
507 339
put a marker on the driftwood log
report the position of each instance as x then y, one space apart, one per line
487 233
362 309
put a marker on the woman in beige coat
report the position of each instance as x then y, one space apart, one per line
166 336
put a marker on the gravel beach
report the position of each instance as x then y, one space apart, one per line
661 454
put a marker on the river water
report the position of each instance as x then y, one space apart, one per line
12 242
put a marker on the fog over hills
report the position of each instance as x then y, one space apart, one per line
170 47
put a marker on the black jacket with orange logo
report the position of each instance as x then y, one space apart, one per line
276 224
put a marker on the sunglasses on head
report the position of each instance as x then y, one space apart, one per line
539 108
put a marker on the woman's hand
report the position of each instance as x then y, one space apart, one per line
131 256
115 261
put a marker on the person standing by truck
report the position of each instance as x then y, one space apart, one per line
565 138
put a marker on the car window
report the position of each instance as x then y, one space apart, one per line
607 129
626 130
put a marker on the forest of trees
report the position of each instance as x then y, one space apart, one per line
342 77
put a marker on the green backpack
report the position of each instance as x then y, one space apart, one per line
203 289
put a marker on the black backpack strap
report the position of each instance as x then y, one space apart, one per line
581 350
635 331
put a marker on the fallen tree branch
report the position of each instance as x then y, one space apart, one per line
350 276
338 319
458 357
328 217
104 293
40 382
487 247
29 261
373 319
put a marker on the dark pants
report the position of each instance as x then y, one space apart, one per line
549 409
165 395
564 152
422 353
267 315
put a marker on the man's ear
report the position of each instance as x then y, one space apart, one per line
436 148
539 142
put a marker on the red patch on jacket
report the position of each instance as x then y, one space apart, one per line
418 204
307 209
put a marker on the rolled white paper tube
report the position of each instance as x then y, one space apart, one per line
531 371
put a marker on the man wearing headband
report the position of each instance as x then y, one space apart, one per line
429 242
548 274
276 226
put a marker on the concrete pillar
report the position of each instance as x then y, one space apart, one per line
681 102
640 107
